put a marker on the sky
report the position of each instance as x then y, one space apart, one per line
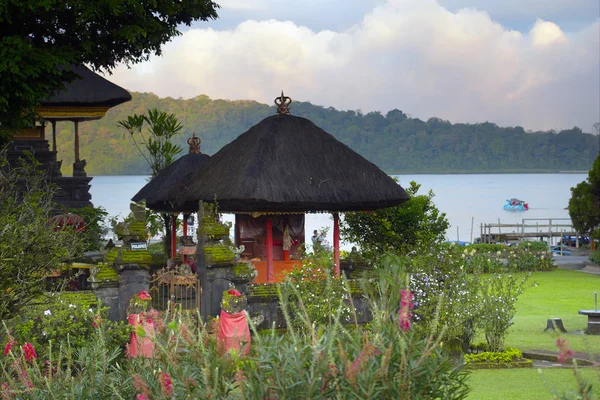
529 63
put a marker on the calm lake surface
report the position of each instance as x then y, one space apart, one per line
462 197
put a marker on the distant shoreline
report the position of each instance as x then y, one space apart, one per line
421 173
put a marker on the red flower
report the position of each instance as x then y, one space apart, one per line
97 321
234 292
29 352
405 306
563 350
143 295
8 347
165 383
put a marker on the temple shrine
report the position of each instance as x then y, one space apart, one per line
85 99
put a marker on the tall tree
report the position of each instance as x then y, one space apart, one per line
39 37
584 205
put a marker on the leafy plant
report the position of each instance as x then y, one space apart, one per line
62 318
30 249
417 223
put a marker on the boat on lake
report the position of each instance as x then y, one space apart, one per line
516 205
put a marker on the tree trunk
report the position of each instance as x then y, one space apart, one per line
167 238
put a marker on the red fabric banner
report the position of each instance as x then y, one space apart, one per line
234 333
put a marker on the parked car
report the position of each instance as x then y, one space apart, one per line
572 240
561 250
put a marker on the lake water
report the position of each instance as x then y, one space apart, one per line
462 197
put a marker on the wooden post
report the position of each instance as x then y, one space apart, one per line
76 140
173 235
53 122
336 243
472 221
269 250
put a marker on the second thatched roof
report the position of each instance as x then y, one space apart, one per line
173 181
288 164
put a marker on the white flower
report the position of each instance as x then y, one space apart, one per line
72 306
47 312
44 333
90 310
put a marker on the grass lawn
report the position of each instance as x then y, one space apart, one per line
555 294
526 384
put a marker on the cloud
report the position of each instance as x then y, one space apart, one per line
414 55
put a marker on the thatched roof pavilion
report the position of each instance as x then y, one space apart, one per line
170 183
173 181
89 90
286 164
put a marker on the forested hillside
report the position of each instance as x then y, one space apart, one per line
395 142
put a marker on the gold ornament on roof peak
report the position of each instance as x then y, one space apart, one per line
194 143
283 104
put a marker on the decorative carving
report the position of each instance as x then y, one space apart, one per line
194 143
92 278
79 168
283 104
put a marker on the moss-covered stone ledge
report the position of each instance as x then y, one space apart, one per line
218 254
120 257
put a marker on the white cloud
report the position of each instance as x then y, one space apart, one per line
414 55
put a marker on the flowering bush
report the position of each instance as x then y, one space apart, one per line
48 326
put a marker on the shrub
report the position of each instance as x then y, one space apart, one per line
49 326
311 288
595 257
505 356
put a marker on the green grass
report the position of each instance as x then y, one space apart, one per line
526 384
555 294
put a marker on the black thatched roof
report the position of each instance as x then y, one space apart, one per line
170 183
288 164
91 90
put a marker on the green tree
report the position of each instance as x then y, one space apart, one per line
30 247
158 149
400 229
584 205
39 37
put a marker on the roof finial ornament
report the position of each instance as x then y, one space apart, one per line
283 104
194 143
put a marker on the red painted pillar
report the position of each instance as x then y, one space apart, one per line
336 243
269 250
173 235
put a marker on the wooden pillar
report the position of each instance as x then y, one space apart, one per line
76 140
269 250
336 243
173 235
53 122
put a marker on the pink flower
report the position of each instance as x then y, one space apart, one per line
142 397
143 295
8 347
234 292
165 383
29 352
97 321
563 350
404 314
